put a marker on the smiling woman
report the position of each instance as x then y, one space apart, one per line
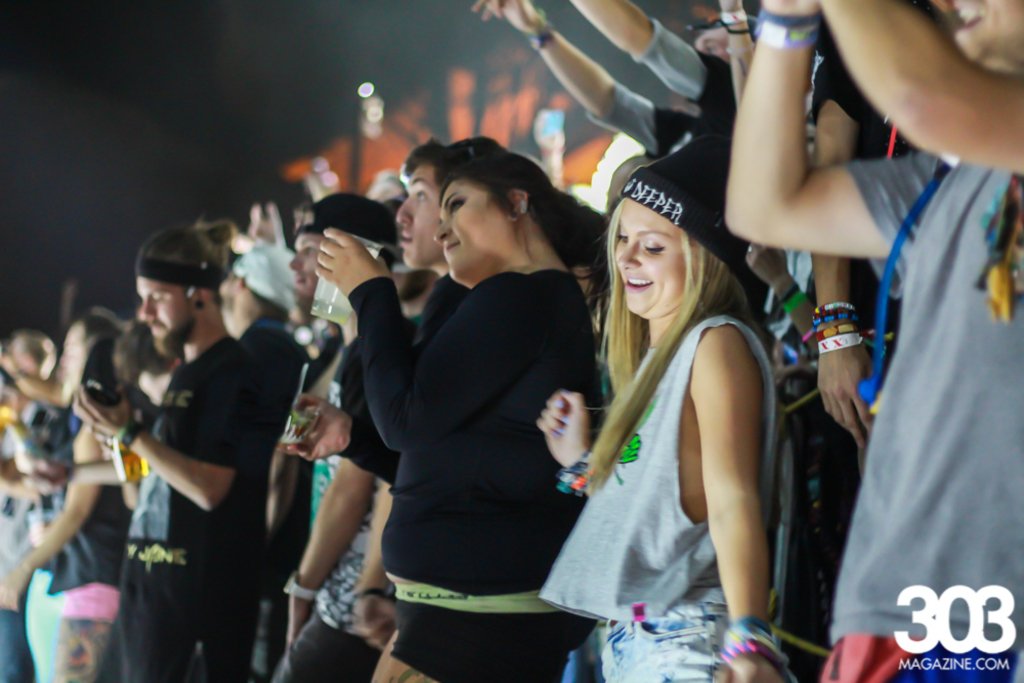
476 520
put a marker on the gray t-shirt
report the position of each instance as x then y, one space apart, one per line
633 542
942 501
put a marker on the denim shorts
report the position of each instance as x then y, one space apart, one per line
680 647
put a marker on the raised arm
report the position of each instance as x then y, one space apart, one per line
672 59
483 348
774 198
940 100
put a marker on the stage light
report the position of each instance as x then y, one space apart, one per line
366 90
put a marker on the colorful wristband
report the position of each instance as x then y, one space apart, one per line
838 329
794 300
733 18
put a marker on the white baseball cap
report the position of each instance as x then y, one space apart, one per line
265 269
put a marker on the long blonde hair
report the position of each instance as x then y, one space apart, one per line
711 289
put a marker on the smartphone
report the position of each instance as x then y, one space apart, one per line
101 394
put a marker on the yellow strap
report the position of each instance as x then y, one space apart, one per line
528 602
800 643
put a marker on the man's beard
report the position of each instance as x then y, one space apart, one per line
172 344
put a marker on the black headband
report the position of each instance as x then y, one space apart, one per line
202 275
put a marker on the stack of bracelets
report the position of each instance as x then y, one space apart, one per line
574 478
753 636
836 327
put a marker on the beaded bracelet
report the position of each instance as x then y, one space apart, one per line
832 317
574 478
750 635
835 305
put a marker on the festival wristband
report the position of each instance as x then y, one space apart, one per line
842 341
807 336
733 18
787 36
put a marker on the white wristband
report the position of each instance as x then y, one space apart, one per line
733 18
294 589
840 341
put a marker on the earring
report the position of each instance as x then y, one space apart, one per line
523 208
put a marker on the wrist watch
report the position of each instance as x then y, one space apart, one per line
294 589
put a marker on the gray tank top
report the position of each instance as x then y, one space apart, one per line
633 542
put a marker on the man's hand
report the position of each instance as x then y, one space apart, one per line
330 433
839 373
521 14
102 419
299 612
374 619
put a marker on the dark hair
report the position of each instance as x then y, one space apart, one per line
574 230
193 244
135 352
446 158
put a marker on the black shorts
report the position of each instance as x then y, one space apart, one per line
466 647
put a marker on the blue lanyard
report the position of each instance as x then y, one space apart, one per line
871 387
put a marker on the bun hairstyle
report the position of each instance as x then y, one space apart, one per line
193 245
573 229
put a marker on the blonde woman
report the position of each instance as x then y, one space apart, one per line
672 546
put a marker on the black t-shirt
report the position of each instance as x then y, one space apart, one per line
95 553
197 571
475 507
367 449
279 360
717 111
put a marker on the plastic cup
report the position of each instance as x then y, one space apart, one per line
328 301
298 425
130 466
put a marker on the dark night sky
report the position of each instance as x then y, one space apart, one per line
119 119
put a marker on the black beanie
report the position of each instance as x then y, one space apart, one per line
688 188
358 216
354 214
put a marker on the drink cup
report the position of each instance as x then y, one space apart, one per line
130 466
328 301
300 422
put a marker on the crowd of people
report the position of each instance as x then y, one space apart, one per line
529 441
